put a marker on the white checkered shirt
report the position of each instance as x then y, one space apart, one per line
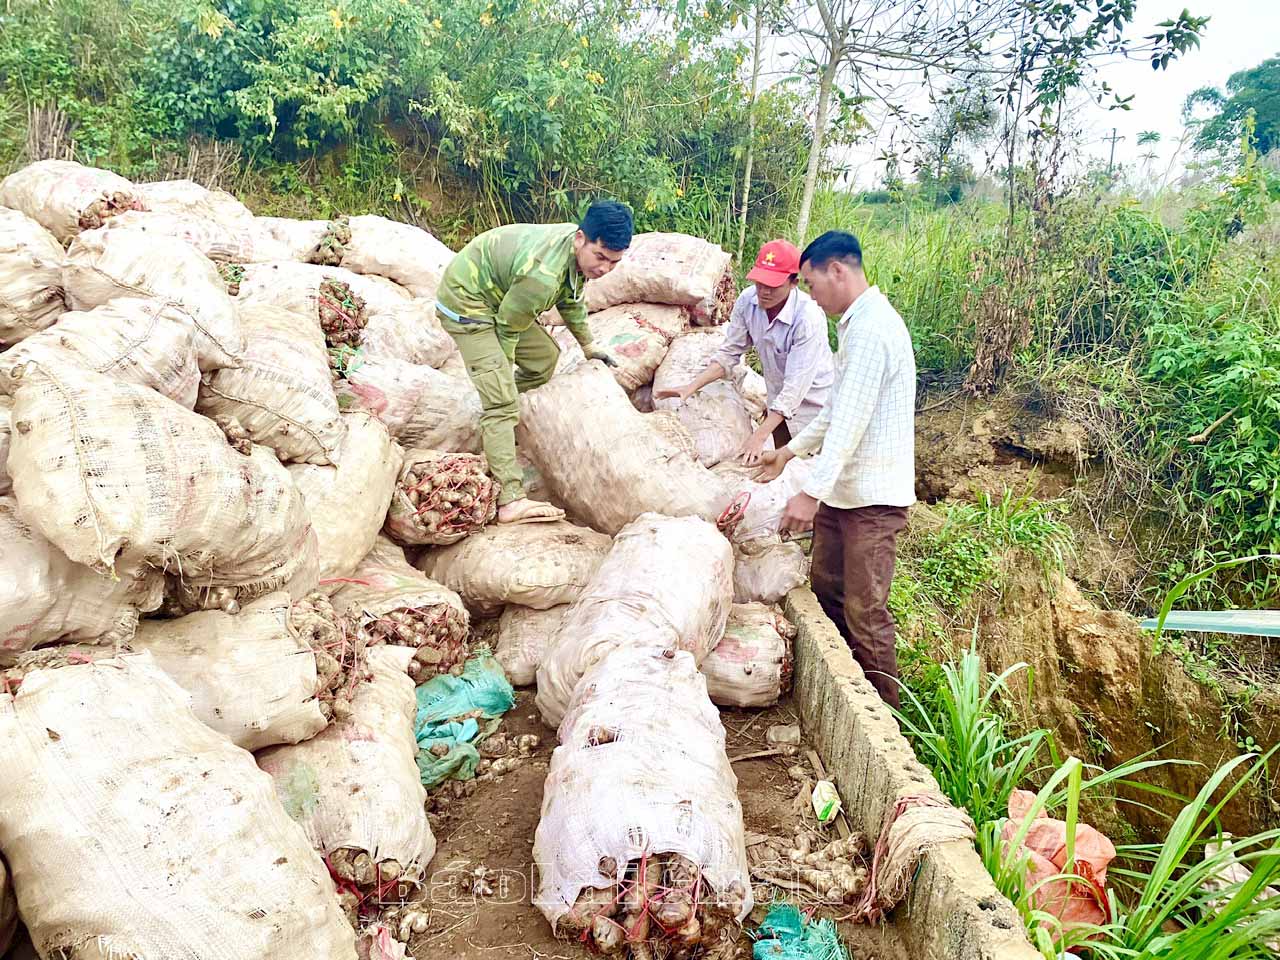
866 429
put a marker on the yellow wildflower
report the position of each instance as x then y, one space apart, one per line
486 19
679 191
336 17
438 23
585 42
595 77
564 64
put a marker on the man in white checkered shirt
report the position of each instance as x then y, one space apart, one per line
863 475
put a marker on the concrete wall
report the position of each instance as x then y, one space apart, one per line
953 911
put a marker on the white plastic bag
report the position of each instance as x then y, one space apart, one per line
45 598
132 339
607 462
120 477
536 565
30 277
641 772
666 584
281 393
524 635
716 416
105 264
65 197
751 665
767 569
668 268
355 787
347 503
193 199
252 677
132 829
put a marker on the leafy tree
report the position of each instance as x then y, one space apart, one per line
965 117
1255 90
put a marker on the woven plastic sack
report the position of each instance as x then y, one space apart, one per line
301 238
281 393
762 503
355 788
119 477
347 503
131 339
123 815
324 295
751 665
524 636
394 603
252 676
664 268
6 410
716 416
641 771
537 565
399 251
421 406
441 498
30 277
753 390
105 264
227 241
607 462
666 584
65 197
636 335
193 199
767 569
45 598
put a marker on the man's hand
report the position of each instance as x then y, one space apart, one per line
752 450
683 392
799 513
772 462
597 353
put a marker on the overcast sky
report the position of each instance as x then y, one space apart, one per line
1240 34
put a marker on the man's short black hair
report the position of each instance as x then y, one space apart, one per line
833 245
609 222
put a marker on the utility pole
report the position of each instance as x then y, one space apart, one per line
1113 138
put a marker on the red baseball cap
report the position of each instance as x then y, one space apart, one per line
776 263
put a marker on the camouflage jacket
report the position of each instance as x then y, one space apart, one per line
512 274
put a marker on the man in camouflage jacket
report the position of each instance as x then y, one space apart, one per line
489 301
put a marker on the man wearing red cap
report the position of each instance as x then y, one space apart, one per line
789 333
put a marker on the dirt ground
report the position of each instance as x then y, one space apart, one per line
494 828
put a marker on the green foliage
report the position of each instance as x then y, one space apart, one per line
1255 92
965 742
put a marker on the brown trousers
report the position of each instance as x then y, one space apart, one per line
853 557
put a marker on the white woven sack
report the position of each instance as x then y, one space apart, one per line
301 238
399 251
607 462
30 277
45 598
765 502
131 339
105 264
193 199
751 665
421 406
717 417
8 909
663 785
537 565
348 503
6 410
384 581
133 830
282 392
524 635
408 331
636 335
356 784
250 676
65 197
662 268
666 584
227 241
119 477
767 569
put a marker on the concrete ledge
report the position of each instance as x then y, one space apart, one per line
953 911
